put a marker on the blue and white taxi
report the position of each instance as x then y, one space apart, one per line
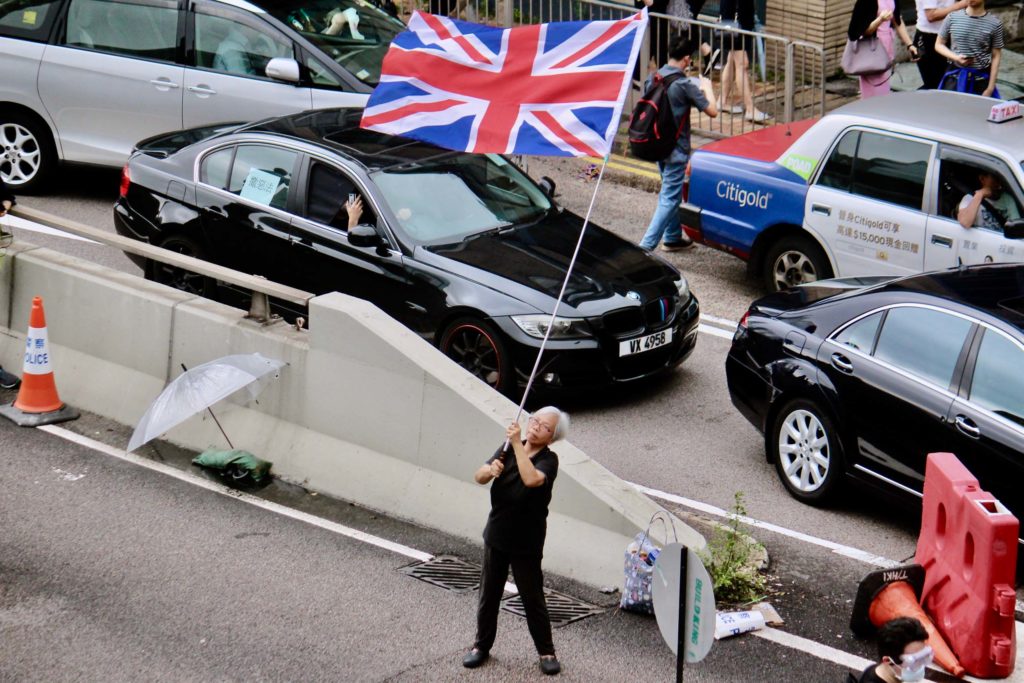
890 185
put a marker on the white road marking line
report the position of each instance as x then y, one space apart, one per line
256 501
811 647
714 331
32 226
724 322
837 548
776 636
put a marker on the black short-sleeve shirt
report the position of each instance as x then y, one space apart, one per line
518 523
869 675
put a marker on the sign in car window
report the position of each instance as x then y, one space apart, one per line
260 186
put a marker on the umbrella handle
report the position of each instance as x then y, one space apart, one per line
230 445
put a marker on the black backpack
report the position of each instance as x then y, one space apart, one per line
653 130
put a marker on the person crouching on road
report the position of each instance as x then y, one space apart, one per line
521 478
7 380
902 640
682 94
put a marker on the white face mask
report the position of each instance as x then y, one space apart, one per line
913 666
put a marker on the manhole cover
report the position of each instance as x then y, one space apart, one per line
562 609
449 573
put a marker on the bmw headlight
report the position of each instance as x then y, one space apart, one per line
683 287
563 328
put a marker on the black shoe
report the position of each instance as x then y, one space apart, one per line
681 245
474 658
8 381
550 665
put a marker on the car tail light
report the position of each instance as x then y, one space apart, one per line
743 321
126 180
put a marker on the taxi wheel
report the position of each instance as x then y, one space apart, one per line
28 157
806 451
476 346
794 260
185 280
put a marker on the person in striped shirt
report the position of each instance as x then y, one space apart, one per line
972 38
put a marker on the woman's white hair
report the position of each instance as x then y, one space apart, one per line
561 427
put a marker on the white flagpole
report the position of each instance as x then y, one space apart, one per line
558 302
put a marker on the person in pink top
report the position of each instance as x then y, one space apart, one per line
881 18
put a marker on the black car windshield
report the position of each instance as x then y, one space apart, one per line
354 33
448 198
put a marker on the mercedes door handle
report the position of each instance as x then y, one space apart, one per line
201 90
164 83
967 426
823 210
842 363
942 241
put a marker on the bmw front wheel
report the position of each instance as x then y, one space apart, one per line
476 346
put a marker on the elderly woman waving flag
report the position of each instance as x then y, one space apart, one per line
521 474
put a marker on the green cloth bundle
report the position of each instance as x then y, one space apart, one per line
235 463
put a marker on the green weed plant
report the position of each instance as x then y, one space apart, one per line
730 558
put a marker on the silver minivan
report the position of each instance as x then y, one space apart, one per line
84 80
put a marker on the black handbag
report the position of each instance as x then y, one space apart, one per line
865 56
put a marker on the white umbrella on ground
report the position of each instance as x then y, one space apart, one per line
197 389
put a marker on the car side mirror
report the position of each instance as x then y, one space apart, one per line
283 69
547 186
365 236
1014 230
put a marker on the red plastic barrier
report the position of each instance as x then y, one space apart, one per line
968 547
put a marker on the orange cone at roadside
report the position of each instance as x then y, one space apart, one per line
890 593
898 600
37 402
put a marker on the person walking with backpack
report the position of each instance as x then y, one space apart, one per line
671 149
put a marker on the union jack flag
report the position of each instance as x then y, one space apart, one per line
549 89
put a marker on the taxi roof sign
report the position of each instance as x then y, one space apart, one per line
1004 111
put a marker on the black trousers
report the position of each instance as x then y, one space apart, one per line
932 66
530 582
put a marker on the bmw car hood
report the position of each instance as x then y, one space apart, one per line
537 256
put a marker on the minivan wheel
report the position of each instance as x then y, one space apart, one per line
806 451
794 260
185 280
476 346
27 155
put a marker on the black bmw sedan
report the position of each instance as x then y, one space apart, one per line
846 379
464 249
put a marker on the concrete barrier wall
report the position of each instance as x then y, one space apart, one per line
365 410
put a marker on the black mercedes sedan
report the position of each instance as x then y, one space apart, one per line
464 249
865 381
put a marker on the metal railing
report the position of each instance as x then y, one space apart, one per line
260 287
760 78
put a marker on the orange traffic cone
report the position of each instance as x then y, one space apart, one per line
898 600
891 593
37 402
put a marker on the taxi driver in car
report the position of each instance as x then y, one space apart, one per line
988 207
